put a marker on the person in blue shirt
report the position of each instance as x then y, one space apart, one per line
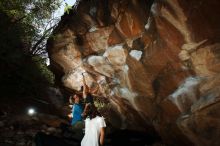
77 110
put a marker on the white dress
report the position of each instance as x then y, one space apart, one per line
92 131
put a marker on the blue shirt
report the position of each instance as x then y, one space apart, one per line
77 110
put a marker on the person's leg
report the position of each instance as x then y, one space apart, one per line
79 125
78 128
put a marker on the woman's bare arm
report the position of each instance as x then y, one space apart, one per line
102 135
84 113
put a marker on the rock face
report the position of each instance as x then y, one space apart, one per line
156 61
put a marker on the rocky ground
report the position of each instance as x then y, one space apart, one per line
38 130
18 128
21 130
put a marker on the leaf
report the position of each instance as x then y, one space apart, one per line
67 8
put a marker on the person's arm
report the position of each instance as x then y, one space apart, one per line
95 90
70 115
71 100
102 135
85 87
85 110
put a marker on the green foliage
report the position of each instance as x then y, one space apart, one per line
67 8
101 103
35 17
44 71
23 26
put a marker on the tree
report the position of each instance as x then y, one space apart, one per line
25 26
36 18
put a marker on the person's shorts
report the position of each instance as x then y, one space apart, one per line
78 125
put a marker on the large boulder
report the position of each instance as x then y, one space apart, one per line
157 62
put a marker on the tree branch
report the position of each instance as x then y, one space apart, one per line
35 46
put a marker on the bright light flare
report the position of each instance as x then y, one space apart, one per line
31 111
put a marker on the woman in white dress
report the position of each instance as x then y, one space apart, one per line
94 130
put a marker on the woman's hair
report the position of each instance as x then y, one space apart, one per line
93 112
